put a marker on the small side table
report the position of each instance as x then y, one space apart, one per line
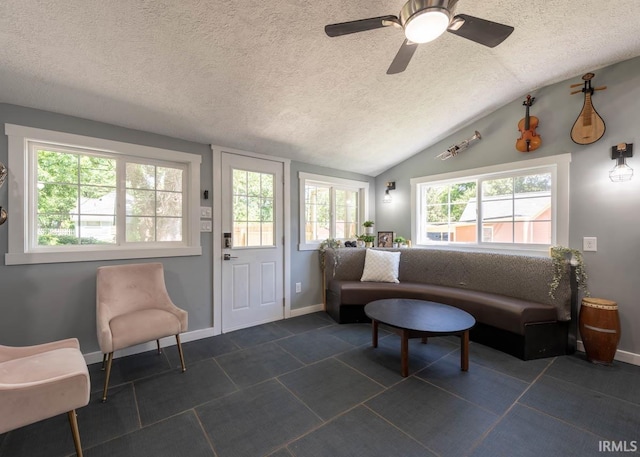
599 325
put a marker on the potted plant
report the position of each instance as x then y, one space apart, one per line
560 255
368 240
329 243
399 242
368 227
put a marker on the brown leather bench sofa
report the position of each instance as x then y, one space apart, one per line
507 294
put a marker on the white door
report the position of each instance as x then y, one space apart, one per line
253 243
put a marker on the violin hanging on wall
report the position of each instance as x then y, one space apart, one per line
589 127
529 140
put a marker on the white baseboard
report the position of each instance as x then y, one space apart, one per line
621 356
307 310
96 357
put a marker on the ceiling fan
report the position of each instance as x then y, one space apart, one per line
424 21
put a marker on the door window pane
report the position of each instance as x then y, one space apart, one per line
253 209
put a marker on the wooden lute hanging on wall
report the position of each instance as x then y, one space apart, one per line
589 127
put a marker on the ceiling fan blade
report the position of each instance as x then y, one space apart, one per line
481 31
345 28
403 57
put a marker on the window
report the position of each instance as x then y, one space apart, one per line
330 208
78 198
253 203
517 206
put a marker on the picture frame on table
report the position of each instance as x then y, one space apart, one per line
385 239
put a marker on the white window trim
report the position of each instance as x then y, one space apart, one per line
361 186
18 186
560 201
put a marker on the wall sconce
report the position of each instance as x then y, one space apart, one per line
391 185
622 171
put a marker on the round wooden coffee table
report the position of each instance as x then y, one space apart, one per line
420 319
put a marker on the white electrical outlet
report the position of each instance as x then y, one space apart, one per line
205 211
590 243
298 287
205 226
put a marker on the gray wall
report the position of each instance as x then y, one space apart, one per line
40 303
51 301
598 207
305 265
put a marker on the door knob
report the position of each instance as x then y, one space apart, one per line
228 257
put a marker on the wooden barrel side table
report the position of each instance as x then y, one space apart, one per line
599 325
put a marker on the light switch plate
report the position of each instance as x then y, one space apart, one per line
205 226
590 243
205 212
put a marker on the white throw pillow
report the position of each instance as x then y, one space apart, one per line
381 266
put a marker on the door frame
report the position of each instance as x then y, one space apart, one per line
217 240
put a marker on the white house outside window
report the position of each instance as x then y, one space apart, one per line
330 208
78 198
517 206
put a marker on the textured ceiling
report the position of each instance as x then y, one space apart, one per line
262 76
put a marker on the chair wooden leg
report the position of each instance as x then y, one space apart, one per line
158 344
73 421
106 377
181 354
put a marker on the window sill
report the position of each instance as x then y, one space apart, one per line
308 247
90 256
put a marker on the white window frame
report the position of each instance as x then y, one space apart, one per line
362 187
558 165
21 181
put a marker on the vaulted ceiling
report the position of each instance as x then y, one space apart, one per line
262 76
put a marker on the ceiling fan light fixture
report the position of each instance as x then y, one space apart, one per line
423 21
427 25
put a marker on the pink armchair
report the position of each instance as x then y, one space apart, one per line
38 382
133 307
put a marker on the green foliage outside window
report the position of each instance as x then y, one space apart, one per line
65 179
76 202
447 202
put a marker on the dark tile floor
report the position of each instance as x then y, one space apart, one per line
309 387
